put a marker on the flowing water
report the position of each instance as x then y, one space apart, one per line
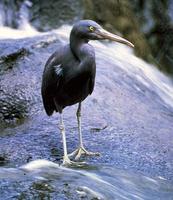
111 177
42 179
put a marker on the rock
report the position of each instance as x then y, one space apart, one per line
130 110
20 76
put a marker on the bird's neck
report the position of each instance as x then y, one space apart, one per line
76 44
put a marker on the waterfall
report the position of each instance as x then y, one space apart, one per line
23 22
171 10
2 15
8 14
14 20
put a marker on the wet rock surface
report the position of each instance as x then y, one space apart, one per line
134 123
128 118
20 75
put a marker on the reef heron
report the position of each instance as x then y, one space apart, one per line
69 76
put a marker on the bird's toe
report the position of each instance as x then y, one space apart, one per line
83 151
69 163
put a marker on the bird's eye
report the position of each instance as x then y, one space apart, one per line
91 28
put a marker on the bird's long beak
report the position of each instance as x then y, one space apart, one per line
103 34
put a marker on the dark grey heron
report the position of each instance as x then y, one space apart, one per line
69 76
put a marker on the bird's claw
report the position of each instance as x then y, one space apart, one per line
82 151
67 162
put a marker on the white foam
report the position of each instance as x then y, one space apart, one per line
146 73
10 33
38 164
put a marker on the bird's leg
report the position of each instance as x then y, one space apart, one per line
78 114
81 149
66 160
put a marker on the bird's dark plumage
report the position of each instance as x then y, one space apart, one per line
69 74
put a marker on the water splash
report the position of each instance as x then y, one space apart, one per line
146 73
99 183
10 33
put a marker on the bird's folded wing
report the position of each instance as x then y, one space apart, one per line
50 83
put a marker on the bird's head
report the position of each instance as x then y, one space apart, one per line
90 30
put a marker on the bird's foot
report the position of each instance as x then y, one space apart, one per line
82 151
67 162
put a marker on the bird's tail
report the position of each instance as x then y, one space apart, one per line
49 105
